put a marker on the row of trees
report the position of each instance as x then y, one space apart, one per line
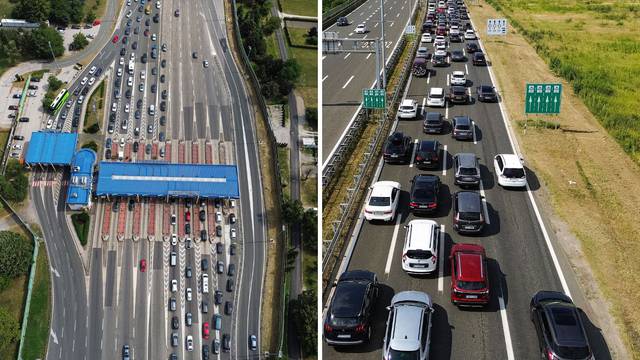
52 91
16 45
294 213
14 183
61 12
305 314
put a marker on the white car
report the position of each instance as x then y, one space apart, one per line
189 343
154 37
422 52
124 124
92 70
114 107
92 81
436 97
189 294
440 53
361 29
408 109
49 125
469 35
142 75
129 13
441 46
420 251
84 81
119 73
426 37
383 200
126 107
458 78
174 285
218 217
157 4
130 81
132 56
509 170
439 38
233 234
174 239
80 99
121 62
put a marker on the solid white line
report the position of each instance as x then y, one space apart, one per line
325 78
428 77
424 100
324 57
391 25
350 34
447 79
413 156
346 56
444 161
368 56
505 328
484 204
398 15
446 110
464 53
348 81
466 69
376 25
473 127
441 261
387 267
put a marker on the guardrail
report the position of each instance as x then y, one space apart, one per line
14 123
349 205
246 63
331 16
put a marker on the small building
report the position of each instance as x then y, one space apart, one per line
309 142
47 148
81 180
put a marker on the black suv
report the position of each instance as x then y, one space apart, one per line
424 194
471 47
479 59
342 21
486 93
462 128
466 169
433 123
349 317
398 148
467 212
439 60
560 330
428 154
458 95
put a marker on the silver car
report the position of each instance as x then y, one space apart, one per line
408 326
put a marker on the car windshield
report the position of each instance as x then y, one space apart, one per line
406 107
469 216
403 355
379 201
471 285
436 96
467 171
419 254
343 322
513 173
486 89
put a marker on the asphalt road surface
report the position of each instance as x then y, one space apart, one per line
520 261
346 74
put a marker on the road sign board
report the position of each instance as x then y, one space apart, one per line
411 29
496 26
543 98
374 98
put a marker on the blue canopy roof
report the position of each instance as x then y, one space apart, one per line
51 148
81 178
158 179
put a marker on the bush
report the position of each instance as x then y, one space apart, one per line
305 316
91 145
15 254
38 42
91 17
310 229
9 329
79 42
14 183
54 83
93 129
311 114
81 225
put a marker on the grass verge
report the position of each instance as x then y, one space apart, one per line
272 46
4 137
300 7
95 107
37 334
298 36
310 270
283 162
309 192
81 224
98 7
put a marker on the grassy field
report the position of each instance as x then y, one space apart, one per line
309 192
37 334
307 84
300 7
4 137
97 99
98 7
310 270
298 36
588 180
272 46
283 162
81 225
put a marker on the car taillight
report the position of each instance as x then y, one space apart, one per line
419 158
550 355
327 328
413 204
434 259
367 211
432 205
404 257
456 219
360 328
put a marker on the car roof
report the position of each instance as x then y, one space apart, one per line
432 115
468 201
466 159
408 102
425 178
457 88
383 188
566 325
458 73
462 120
470 265
486 87
417 228
348 298
511 161
427 145
436 90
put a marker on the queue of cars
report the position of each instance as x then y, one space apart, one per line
351 309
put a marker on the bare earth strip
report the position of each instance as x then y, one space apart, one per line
591 184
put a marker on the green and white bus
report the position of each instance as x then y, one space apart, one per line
57 103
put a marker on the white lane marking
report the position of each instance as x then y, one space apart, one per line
346 56
466 69
387 267
505 327
368 56
484 204
350 34
464 53
428 77
391 25
413 155
398 15
424 100
325 78
448 80
473 128
324 57
376 25
441 261
347 83
446 110
444 161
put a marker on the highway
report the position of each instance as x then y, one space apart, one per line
208 119
520 259
346 74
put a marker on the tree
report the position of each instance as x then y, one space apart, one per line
10 51
46 101
76 13
310 229
32 10
312 36
305 314
271 25
15 254
91 17
54 83
311 114
93 129
39 39
91 145
292 211
79 41
60 14
14 183
9 329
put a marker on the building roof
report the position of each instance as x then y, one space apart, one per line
51 148
81 178
159 179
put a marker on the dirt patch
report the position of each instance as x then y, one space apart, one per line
590 183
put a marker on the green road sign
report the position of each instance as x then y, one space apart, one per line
374 98
543 98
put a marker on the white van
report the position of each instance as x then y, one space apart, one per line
420 251
173 260
152 109
205 283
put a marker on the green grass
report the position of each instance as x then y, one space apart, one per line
96 98
310 269
300 7
4 137
81 223
298 36
307 84
272 46
283 162
37 333
309 192
98 6
595 46
6 7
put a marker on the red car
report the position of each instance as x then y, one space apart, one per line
115 38
143 265
205 330
441 30
187 216
469 275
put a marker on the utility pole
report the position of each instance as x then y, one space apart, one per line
384 72
52 54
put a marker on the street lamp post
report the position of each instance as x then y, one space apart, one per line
52 54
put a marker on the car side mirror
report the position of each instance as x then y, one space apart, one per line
335 283
388 308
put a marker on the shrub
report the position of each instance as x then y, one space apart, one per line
15 254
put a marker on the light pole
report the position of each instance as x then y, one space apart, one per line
384 72
52 54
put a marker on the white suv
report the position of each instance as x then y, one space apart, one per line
408 332
509 170
458 78
408 109
436 97
383 200
420 252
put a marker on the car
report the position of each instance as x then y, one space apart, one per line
176 13
559 326
92 70
408 331
204 264
468 216
408 109
426 37
361 29
232 218
383 200
85 91
226 342
127 31
175 323
123 51
80 99
84 81
136 30
228 307
463 128
189 343
420 250
423 52
433 123
205 351
163 106
230 285
231 270
150 128
458 56
126 107
174 339
130 81
126 352
441 30
441 48
455 38
205 306
397 148
205 64
342 21
436 97
163 63
459 95
125 40
218 231
469 275
143 59
161 138
509 170
350 313
172 304
156 18
469 35
428 154
220 267
466 169
174 285
127 94
23 119
188 319
187 216
479 59
486 93
423 197
232 249
114 40
137 114
217 322
188 272
139 104
18 137
194 54
154 37
147 149
253 343
202 215
458 78
205 330
216 346
141 87
136 146
471 47
131 204
189 294
154 88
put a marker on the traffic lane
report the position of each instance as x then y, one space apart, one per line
191 306
109 344
141 333
124 294
96 315
365 12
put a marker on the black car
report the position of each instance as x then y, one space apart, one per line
226 342
116 206
397 148
433 123
218 231
467 212
205 352
175 323
462 128
424 194
231 270
204 264
134 45
163 63
349 317
228 307
132 204
123 51
84 91
107 154
479 59
163 120
187 228
342 21
232 249
458 95
154 88
127 31
202 215
428 154
455 38
231 284
136 145
164 94
558 323
156 18
217 296
458 56
471 47
126 353
466 169
76 92
439 60
163 106
143 59
139 104
127 94
203 235
427 26
486 93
